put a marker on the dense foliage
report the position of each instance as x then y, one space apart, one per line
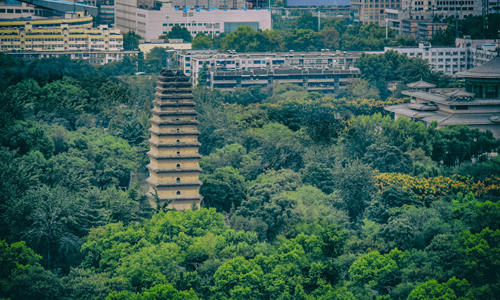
303 35
307 196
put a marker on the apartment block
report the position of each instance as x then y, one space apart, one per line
192 62
326 80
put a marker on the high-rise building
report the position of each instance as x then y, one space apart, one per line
174 159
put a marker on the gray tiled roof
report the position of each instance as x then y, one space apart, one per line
490 69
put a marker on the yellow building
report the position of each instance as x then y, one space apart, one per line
174 159
73 33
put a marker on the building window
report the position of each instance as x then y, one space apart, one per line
178 153
178 166
178 193
178 179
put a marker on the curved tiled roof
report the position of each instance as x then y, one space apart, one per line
490 69
421 85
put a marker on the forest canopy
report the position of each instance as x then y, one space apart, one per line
307 196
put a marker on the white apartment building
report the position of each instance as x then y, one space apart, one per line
151 23
191 62
449 60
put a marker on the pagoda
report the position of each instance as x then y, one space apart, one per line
174 159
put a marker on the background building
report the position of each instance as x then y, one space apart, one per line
373 12
152 22
451 60
192 62
54 36
327 80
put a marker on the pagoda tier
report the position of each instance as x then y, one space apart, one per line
174 167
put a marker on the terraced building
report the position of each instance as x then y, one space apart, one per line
174 159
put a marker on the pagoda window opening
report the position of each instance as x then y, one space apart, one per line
178 153
178 193
178 166
178 179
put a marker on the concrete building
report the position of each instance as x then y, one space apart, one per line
326 80
14 10
477 105
191 62
174 159
373 12
152 22
73 36
430 9
449 60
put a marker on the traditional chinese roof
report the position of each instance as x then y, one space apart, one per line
421 85
490 69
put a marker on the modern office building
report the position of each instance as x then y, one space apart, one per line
477 105
450 60
150 22
174 167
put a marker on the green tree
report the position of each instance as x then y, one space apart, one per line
223 189
201 42
131 41
178 32
432 290
378 272
22 276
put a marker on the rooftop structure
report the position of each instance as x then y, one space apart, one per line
151 22
477 105
174 159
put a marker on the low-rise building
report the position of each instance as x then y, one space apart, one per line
450 60
192 62
74 36
477 105
151 22
327 80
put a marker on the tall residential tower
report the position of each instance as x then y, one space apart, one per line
174 160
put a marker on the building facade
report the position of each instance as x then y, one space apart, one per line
52 37
326 80
152 22
449 60
373 11
192 62
477 105
174 159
